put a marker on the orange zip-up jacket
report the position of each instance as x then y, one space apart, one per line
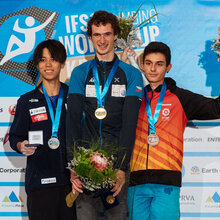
162 164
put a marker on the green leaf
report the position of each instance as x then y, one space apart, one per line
138 10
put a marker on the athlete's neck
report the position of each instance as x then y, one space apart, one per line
155 85
52 87
106 57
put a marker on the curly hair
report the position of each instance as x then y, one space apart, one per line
103 17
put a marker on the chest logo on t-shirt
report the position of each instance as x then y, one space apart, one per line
37 111
91 80
118 90
38 114
90 91
116 79
165 112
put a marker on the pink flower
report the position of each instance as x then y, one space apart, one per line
99 160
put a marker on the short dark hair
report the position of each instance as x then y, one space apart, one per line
158 47
103 17
56 49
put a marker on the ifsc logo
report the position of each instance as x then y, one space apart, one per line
21 32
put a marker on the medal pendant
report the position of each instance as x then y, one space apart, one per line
152 139
110 199
100 113
53 143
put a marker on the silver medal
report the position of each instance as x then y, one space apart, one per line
152 139
53 143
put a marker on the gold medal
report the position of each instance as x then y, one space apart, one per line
110 199
100 113
152 139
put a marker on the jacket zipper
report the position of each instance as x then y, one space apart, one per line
149 133
100 123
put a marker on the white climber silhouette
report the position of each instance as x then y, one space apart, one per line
30 36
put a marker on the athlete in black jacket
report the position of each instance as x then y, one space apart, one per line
46 178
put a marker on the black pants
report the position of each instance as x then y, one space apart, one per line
50 204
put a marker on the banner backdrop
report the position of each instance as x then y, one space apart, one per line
188 27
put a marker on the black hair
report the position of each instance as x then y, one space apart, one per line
56 49
158 47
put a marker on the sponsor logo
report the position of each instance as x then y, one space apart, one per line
213 139
215 198
166 112
12 109
4 170
118 90
213 201
12 200
195 170
187 200
33 100
6 138
49 180
22 31
41 117
193 139
36 111
116 79
212 170
123 93
92 80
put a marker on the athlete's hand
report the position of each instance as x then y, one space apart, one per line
127 52
76 183
119 183
27 151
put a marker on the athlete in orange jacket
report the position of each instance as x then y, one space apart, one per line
156 161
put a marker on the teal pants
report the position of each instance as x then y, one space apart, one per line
154 202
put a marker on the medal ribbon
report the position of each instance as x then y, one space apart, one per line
153 120
101 96
55 120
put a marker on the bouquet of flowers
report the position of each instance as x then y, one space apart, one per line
216 45
94 167
128 35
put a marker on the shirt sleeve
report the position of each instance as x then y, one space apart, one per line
74 114
198 107
20 126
